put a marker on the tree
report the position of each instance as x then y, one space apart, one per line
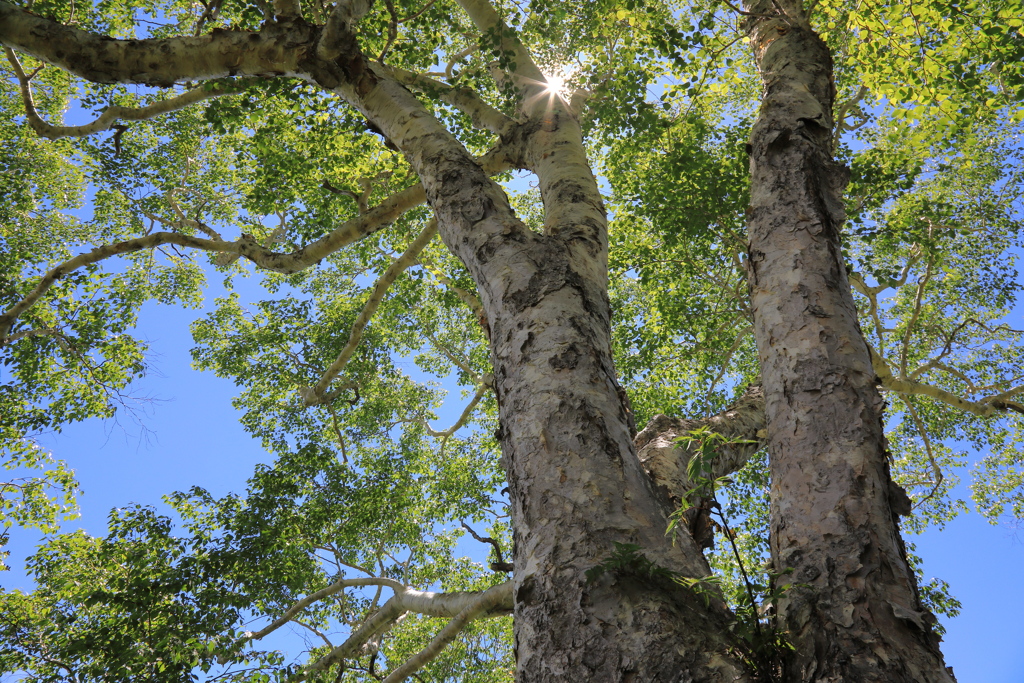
334 120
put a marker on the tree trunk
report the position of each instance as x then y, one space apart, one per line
852 608
577 489
576 485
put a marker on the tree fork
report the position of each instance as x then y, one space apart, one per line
852 609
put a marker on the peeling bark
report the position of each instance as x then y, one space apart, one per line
577 488
852 609
576 485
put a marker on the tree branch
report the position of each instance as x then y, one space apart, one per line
305 602
665 461
919 294
486 383
418 14
98 254
316 394
110 115
211 11
460 363
936 470
850 105
464 295
986 407
872 292
338 36
309 627
275 51
525 72
499 565
488 600
287 8
449 68
494 162
380 216
740 336
464 607
467 101
392 30
947 348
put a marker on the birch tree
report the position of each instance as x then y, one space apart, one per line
792 228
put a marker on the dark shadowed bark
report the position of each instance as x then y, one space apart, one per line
852 608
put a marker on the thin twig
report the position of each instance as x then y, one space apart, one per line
499 565
936 470
921 284
392 29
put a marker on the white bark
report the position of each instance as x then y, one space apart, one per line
665 460
576 485
986 407
486 602
465 100
460 607
280 49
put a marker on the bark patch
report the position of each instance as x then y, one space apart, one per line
526 594
567 360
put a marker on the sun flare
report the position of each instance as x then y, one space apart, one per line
557 83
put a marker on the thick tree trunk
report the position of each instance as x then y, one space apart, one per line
576 485
577 488
852 609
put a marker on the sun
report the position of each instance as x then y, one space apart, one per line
557 83
552 87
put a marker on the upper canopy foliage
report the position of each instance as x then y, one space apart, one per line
365 482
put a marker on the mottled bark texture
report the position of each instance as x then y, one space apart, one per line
576 485
852 609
